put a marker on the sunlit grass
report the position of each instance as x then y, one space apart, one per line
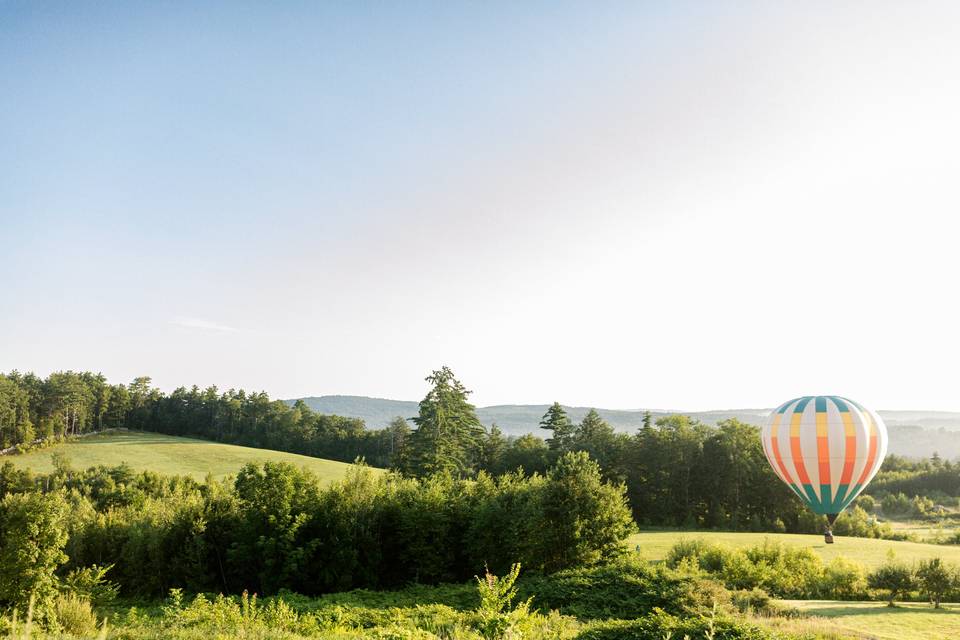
169 455
911 621
871 553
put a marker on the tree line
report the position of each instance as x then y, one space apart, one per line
677 471
278 527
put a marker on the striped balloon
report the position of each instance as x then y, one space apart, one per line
826 448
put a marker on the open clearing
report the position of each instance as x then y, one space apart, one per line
169 455
654 545
910 621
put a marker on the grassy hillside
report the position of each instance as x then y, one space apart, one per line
170 455
654 545
910 621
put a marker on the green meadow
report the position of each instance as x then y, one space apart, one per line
875 620
171 455
871 553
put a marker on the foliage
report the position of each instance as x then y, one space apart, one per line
843 579
497 619
586 520
934 579
32 536
776 568
91 583
660 625
74 615
448 435
894 578
276 527
627 588
556 421
677 471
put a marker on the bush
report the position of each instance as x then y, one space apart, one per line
867 503
857 523
497 618
75 615
843 579
897 504
91 583
628 588
779 569
659 625
752 601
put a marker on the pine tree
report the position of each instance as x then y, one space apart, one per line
556 420
449 435
398 431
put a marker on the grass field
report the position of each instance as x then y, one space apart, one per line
654 545
169 455
913 621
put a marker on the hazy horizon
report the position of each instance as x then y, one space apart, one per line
618 205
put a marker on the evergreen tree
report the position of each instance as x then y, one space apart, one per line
398 431
448 434
494 445
556 420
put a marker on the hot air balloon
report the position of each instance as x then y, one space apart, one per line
826 449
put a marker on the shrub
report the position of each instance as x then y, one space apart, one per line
857 523
628 588
752 601
659 625
867 503
843 579
91 583
896 504
75 615
495 616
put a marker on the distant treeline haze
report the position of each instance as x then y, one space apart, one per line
677 471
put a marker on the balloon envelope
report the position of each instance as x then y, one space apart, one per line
825 448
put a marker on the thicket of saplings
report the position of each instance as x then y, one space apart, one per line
678 472
277 528
73 541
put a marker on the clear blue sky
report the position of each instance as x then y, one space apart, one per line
611 204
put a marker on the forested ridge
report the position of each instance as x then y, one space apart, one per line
677 471
461 497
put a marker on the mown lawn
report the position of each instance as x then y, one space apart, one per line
169 455
911 621
654 545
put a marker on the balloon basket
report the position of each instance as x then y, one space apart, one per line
828 537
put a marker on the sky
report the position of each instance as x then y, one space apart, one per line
622 205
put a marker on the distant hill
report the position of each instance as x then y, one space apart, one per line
912 433
514 419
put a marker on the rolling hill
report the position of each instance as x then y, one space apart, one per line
912 433
169 455
514 419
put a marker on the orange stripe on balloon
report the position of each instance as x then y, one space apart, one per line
795 450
